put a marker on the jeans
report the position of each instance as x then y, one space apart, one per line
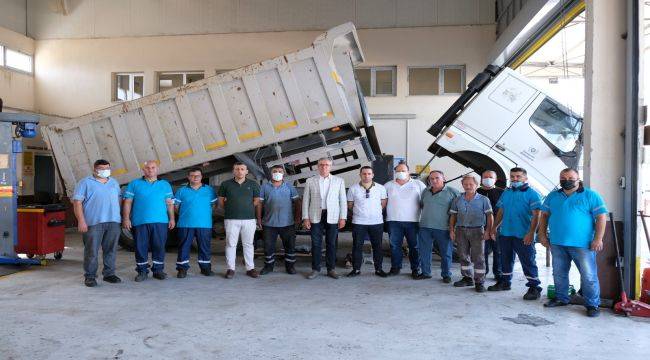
585 260
105 235
331 235
492 247
509 246
288 236
359 235
245 228
203 238
397 230
150 236
427 237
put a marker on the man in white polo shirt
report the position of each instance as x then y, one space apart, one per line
403 215
367 199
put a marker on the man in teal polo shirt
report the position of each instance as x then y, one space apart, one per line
194 205
149 214
576 216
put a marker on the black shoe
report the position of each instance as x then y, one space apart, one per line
446 279
555 303
393 272
415 273
533 293
159 275
182 273
465 281
593 311
142 276
112 279
266 269
207 272
90 282
422 277
354 273
381 273
479 288
291 270
499 286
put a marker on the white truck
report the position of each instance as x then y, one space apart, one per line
502 121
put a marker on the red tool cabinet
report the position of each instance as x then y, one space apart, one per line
41 230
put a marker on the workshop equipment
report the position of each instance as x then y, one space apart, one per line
41 230
13 126
626 306
645 279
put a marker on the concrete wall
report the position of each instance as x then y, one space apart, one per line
13 15
16 89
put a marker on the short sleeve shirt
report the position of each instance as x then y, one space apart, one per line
572 218
195 206
435 207
149 201
239 199
518 206
100 201
471 213
278 204
404 200
367 210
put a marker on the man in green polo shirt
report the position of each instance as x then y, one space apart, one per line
239 197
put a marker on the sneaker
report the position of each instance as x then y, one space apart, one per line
112 279
446 279
354 273
422 277
267 269
533 293
555 303
230 274
393 272
90 282
207 272
381 273
332 274
593 311
465 281
159 275
142 276
313 274
291 270
182 273
253 273
499 286
415 273
479 288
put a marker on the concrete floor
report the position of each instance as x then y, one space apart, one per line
48 313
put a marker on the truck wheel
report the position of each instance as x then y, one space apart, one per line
126 240
58 255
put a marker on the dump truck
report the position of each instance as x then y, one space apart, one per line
289 110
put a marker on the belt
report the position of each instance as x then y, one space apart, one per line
470 227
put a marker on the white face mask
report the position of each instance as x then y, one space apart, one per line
276 176
401 175
104 173
488 182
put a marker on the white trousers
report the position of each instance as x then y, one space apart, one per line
245 228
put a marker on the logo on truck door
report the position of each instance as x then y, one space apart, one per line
512 94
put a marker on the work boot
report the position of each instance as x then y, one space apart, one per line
90 282
479 288
182 273
465 281
290 269
267 269
332 274
207 272
533 293
593 311
354 273
142 276
230 274
446 279
414 274
393 272
252 273
555 303
159 275
499 286
422 277
381 273
313 274
113 279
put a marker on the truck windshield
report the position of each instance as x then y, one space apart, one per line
558 127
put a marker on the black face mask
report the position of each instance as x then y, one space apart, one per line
567 184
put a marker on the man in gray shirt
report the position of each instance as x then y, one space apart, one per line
434 225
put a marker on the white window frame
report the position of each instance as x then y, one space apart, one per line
184 73
373 79
2 55
132 76
3 60
441 78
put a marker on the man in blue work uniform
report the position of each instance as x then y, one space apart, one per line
281 205
194 205
149 214
96 203
576 216
518 216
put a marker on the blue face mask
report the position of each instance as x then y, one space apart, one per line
516 184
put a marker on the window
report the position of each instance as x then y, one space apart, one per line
437 80
2 58
128 86
16 60
378 81
170 80
556 125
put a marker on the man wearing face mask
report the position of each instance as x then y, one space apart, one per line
518 215
488 189
281 207
403 215
576 216
96 203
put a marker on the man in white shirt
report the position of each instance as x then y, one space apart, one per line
403 215
367 199
324 207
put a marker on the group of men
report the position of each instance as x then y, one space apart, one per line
424 215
